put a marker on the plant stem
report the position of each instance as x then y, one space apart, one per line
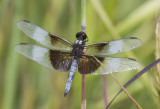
83 92
83 15
83 27
105 90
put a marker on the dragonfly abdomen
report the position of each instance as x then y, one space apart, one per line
71 75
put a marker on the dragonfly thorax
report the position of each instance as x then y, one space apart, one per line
79 44
78 47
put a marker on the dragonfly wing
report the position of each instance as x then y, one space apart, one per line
49 58
112 47
89 65
42 36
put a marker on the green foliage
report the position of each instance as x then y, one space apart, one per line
26 85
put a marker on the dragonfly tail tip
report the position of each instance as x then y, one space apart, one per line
65 94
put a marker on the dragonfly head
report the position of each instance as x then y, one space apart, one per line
82 36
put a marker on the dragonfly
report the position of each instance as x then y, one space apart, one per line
63 55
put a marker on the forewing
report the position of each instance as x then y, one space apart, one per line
112 47
49 58
42 36
89 65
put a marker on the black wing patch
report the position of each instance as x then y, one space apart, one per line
88 64
60 60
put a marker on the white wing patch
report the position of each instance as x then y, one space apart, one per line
118 64
37 53
113 64
115 46
40 34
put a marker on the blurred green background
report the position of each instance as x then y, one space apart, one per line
25 84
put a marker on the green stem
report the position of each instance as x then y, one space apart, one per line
83 15
83 27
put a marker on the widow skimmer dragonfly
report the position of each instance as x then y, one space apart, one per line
63 55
